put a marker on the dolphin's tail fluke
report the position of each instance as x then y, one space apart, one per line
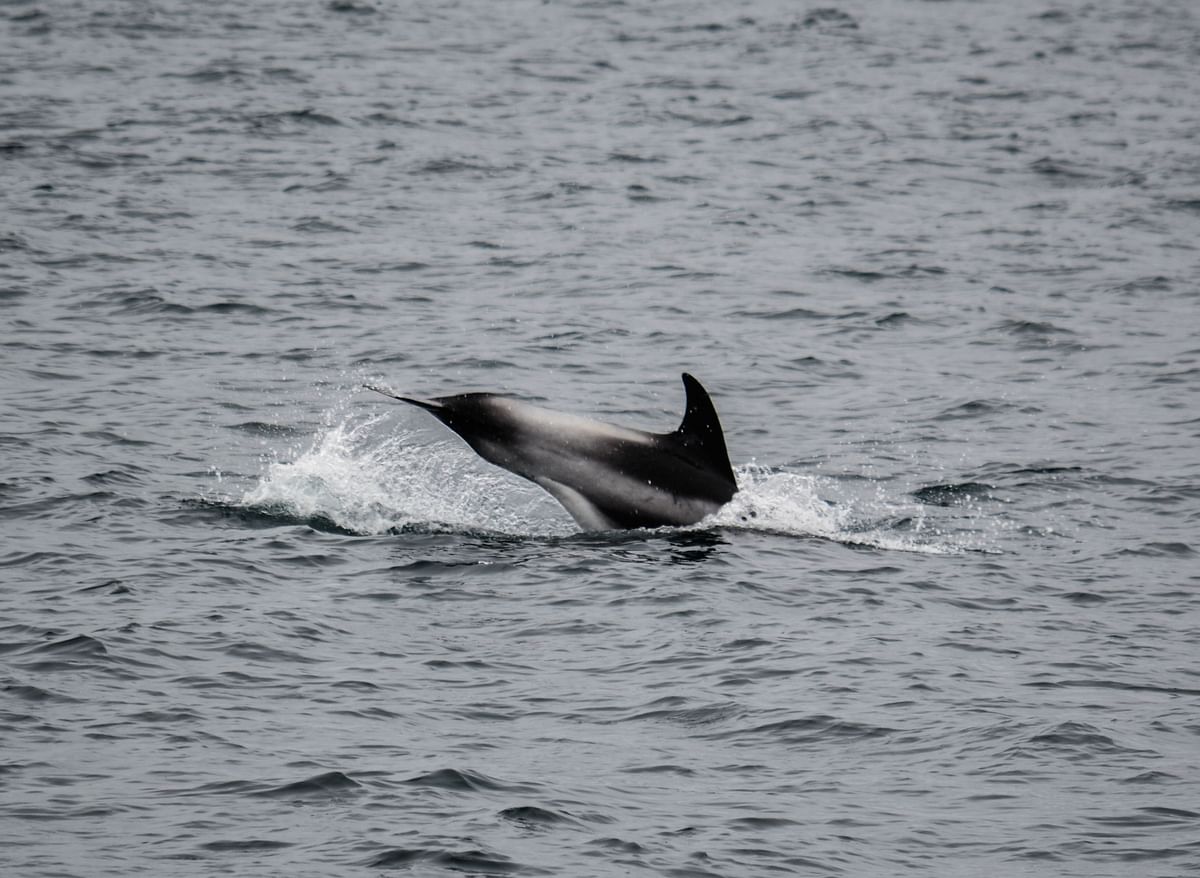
427 404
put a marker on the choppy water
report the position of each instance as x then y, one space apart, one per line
935 261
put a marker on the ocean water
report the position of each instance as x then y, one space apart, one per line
937 264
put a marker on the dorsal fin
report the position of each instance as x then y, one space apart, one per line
700 432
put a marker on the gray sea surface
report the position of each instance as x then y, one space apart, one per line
936 262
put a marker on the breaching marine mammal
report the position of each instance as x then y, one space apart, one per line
607 477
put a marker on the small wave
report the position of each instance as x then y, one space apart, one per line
1114 684
786 314
1153 816
1061 170
395 266
316 225
464 781
758 823
261 428
249 845
81 647
830 19
307 116
857 274
974 409
954 494
665 768
233 308
1151 777
35 694
452 165
1161 550
144 302
80 652
347 8
691 717
1032 328
149 302
330 784
534 817
112 438
806 730
472 862
14 243
259 654
267 516
1077 741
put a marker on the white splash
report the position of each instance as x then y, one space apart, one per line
370 483
370 477
778 501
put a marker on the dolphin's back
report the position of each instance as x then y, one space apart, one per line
605 476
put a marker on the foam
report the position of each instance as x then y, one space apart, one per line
370 477
803 505
369 483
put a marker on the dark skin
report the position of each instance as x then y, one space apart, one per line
689 465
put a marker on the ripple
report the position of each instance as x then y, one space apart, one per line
266 655
808 730
1079 741
471 862
954 494
1162 550
245 845
454 780
291 118
535 817
329 785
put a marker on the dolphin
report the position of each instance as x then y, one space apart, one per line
606 477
